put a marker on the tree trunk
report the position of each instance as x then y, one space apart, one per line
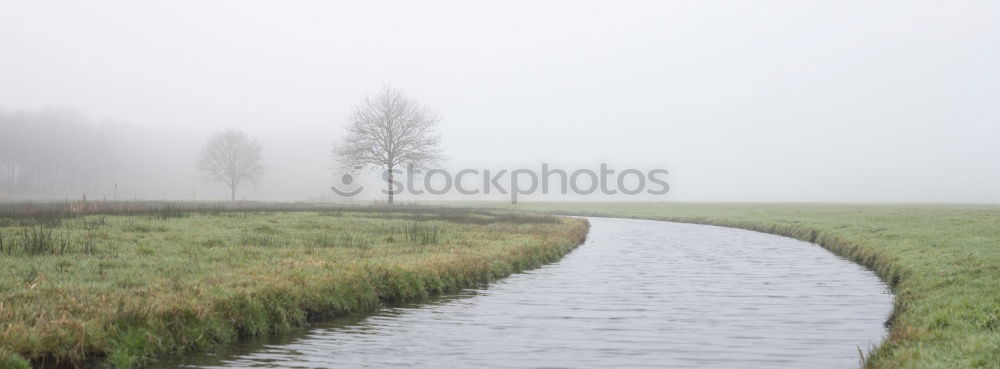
391 190
232 193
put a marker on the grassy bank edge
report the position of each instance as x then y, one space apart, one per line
276 309
882 264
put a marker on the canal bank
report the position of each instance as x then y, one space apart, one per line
638 293
942 262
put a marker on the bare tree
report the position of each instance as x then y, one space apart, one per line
390 130
231 158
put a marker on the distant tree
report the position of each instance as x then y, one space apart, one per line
231 158
390 130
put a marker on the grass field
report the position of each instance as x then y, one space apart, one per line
942 262
119 284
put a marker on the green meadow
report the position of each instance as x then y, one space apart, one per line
941 261
118 286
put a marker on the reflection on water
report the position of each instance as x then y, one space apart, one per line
637 294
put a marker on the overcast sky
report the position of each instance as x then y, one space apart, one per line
741 101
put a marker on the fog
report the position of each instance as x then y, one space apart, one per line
845 101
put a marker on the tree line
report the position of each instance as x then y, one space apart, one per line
62 152
55 151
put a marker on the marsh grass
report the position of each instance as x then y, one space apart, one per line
941 261
343 240
131 224
113 284
422 233
36 240
169 211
